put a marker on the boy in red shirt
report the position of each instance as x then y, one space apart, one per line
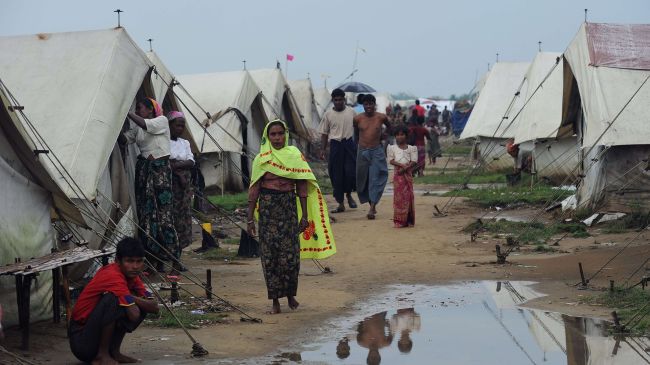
113 303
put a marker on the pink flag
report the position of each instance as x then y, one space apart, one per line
289 57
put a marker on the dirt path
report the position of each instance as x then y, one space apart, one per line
371 255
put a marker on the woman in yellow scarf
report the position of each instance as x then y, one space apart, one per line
292 214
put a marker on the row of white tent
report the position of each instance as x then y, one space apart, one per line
65 97
582 115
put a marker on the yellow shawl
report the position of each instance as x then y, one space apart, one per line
317 241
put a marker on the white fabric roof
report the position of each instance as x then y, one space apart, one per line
605 90
501 84
159 82
304 95
220 94
323 98
272 84
76 89
542 115
383 100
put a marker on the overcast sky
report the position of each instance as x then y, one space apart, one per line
422 47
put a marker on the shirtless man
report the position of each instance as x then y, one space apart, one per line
372 170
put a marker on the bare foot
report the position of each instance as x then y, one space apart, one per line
293 303
123 359
275 309
104 360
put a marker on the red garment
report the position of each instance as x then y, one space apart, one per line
420 133
109 279
403 200
421 110
274 182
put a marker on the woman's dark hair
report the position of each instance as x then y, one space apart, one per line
129 247
146 102
275 122
401 129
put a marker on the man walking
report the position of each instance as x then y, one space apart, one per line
372 170
336 128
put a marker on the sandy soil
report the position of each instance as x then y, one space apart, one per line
371 255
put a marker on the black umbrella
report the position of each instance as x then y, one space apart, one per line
356 87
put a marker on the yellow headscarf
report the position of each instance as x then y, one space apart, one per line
317 241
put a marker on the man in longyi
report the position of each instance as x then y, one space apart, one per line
372 170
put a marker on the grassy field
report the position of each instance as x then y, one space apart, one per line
538 195
529 232
459 177
626 303
230 202
220 253
456 150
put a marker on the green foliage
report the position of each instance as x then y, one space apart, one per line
219 254
635 220
626 303
529 232
538 195
459 177
230 202
456 150
184 314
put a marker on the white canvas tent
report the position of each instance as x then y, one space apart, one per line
304 95
279 103
537 127
76 89
233 132
323 98
25 215
605 98
489 123
383 100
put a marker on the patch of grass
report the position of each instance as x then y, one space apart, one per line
230 202
219 254
626 303
459 177
583 213
456 150
635 220
231 241
538 195
543 248
529 232
185 315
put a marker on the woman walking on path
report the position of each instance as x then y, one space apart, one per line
181 161
153 182
404 158
291 211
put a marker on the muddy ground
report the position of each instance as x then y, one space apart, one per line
371 255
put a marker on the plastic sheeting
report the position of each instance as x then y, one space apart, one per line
497 100
619 45
25 232
541 116
76 89
605 92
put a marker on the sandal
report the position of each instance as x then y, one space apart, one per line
370 216
338 210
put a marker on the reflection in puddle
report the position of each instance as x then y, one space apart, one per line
471 323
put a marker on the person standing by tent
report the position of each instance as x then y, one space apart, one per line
113 303
281 179
182 161
420 110
336 128
372 170
358 107
153 182
433 147
446 120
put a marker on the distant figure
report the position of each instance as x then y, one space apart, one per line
337 129
433 147
374 333
113 303
417 136
433 115
446 120
420 110
358 107
405 159
372 171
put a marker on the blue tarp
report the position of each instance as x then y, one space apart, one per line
459 120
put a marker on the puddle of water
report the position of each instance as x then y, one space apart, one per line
469 323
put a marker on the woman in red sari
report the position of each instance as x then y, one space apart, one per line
405 159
